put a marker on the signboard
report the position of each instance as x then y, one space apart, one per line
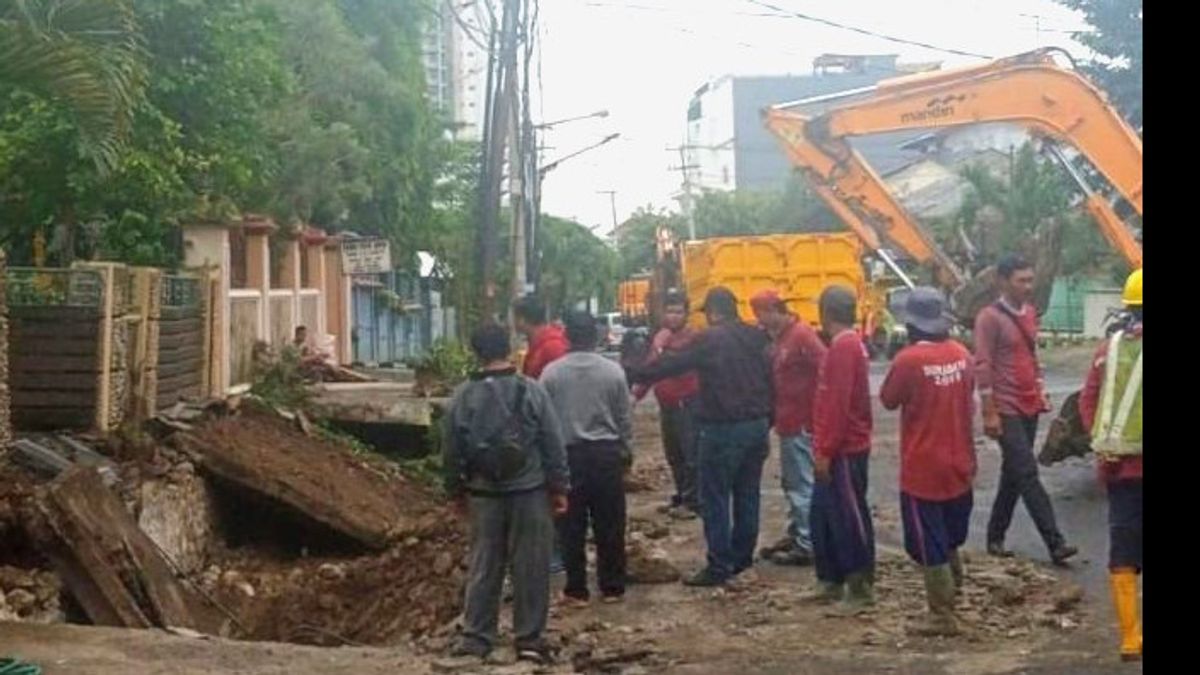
366 256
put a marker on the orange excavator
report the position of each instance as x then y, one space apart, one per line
1054 103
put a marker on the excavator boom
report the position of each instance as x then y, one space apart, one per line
1029 89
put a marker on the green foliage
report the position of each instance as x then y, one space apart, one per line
1007 213
576 264
309 110
280 382
791 208
448 361
84 54
1117 39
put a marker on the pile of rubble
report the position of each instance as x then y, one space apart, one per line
228 520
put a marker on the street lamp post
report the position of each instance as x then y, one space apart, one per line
547 125
535 257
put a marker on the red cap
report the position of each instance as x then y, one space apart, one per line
768 299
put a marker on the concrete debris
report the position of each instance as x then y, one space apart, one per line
646 563
117 573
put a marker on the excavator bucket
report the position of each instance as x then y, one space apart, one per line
1067 436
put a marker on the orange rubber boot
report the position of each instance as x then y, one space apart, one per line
1124 590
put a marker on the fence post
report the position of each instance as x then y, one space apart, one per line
5 397
104 384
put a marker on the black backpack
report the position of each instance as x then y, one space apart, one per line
504 455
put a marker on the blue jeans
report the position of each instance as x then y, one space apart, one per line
796 469
730 462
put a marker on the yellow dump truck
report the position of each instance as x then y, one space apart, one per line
632 296
798 266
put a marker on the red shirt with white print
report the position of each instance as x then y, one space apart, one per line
933 384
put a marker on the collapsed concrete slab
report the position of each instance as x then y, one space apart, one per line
317 479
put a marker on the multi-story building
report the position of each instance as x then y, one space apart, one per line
729 148
455 57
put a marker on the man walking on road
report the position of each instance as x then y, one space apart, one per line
1012 394
1111 406
796 355
932 382
591 398
504 464
677 403
735 407
842 532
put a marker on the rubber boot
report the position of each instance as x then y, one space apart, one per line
826 593
860 594
939 589
1124 589
956 569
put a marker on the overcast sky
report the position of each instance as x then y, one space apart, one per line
642 59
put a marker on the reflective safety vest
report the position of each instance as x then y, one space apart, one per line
1117 429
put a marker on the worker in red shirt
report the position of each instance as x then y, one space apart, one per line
547 341
677 402
796 355
1111 406
932 382
842 533
1012 395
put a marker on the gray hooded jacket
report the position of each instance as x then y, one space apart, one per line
478 410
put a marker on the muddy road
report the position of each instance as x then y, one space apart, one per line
1025 616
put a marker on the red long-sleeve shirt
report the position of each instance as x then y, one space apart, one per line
1125 468
548 344
672 391
842 409
1005 366
796 357
933 384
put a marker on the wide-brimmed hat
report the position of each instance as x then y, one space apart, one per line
925 310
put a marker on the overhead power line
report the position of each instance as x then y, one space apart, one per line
790 13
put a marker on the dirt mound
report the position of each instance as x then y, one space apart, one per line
409 590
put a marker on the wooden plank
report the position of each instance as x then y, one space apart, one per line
53 399
115 571
54 313
25 345
179 340
167 371
179 377
189 354
54 364
178 327
181 313
52 419
52 381
65 327
36 365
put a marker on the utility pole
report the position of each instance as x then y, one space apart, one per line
612 198
500 103
686 199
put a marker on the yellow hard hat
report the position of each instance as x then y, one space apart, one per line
1133 289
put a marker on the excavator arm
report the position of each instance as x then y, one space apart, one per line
856 194
1029 89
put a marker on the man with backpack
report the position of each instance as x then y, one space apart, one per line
591 398
1012 395
505 465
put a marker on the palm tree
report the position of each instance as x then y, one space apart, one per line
86 54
